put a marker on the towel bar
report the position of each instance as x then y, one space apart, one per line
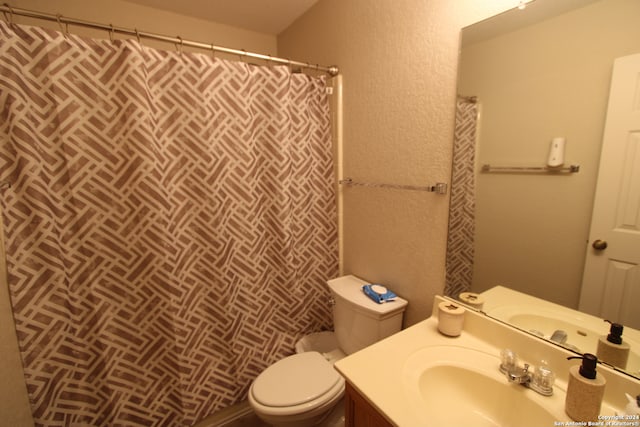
438 188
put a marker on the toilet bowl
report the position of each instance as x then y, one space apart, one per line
302 390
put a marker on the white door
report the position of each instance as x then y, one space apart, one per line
611 281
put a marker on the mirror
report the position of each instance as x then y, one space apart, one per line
539 73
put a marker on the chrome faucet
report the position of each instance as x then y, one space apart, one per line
540 381
519 375
559 336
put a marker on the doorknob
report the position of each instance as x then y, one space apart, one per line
599 245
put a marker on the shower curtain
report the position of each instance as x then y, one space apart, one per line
460 243
170 224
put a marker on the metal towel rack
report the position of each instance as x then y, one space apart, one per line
438 188
528 169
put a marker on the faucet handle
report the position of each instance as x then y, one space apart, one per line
543 378
509 360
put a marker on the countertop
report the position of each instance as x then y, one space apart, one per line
377 371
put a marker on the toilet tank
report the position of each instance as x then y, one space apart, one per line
358 321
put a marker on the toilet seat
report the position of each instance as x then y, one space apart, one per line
297 383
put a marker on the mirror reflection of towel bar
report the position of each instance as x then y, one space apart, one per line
438 188
525 169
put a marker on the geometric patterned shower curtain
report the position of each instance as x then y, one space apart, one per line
460 243
169 228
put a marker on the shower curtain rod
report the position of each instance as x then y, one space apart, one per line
9 11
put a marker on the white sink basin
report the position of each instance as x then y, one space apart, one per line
450 385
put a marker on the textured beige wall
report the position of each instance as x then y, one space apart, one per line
14 404
546 80
398 61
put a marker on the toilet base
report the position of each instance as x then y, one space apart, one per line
332 418
335 417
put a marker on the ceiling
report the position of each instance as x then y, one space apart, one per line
264 16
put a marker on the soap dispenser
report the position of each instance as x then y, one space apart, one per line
585 390
611 349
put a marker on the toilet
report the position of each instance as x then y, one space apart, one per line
304 389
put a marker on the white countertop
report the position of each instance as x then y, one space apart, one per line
377 371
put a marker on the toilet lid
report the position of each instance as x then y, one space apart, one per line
295 380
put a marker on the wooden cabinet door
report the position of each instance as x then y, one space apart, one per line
359 412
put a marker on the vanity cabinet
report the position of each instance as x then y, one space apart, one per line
359 412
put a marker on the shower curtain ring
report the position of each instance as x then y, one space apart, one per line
138 35
111 32
242 56
213 51
292 68
8 18
179 46
64 30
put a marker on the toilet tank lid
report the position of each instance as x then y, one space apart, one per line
350 288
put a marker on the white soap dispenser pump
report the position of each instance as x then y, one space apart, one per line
585 390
